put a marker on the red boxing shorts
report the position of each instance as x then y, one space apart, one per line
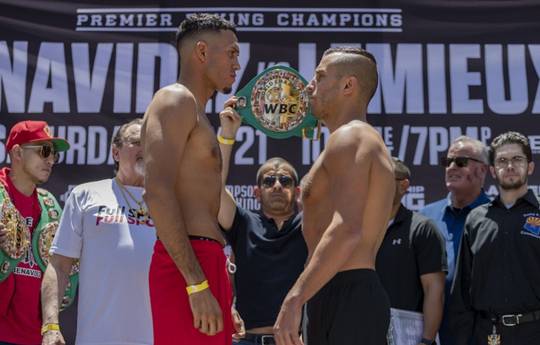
171 311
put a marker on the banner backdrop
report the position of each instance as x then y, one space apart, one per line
446 68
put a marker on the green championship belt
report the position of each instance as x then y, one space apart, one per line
43 237
15 247
276 103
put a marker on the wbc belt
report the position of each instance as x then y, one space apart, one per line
18 242
42 241
276 103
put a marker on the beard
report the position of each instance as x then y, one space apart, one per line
513 185
226 90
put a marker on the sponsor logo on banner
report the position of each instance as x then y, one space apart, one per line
244 195
246 19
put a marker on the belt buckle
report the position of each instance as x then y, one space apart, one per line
270 339
514 320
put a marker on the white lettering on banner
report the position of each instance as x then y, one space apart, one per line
244 195
387 135
3 135
311 149
418 140
88 145
534 142
146 65
439 139
90 84
415 199
246 135
470 79
246 19
403 71
13 75
517 84
400 79
50 68
461 79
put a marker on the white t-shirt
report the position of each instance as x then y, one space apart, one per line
114 249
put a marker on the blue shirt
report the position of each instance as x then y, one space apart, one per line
450 222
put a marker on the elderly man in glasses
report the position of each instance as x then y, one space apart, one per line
466 166
268 245
33 153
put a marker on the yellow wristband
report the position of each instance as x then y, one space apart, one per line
50 327
225 141
191 289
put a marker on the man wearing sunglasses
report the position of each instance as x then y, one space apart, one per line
269 248
33 153
465 171
496 292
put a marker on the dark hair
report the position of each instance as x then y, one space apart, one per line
199 22
370 75
275 163
401 171
118 138
351 50
510 138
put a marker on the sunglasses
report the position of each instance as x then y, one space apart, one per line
44 151
284 181
461 162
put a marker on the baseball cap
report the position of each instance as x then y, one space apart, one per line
25 132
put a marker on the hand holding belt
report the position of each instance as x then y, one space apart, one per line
276 103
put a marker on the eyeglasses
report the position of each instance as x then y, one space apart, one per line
461 162
284 181
44 151
516 161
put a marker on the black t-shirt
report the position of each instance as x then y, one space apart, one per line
411 247
268 263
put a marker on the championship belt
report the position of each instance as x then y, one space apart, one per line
276 103
43 237
15 247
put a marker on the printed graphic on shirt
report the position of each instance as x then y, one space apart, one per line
122 215
532 225
28 266
29 221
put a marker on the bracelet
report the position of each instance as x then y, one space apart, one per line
427 341
191 289
225 141
49 327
